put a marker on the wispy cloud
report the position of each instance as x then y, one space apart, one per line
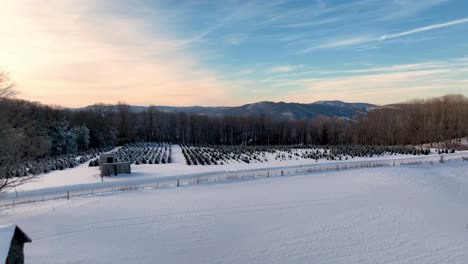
423 29
394 68
284 68
342 43
317 22
378 84
382 87
71 52
60 53
406 8
338 43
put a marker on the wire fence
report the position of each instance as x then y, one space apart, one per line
104 188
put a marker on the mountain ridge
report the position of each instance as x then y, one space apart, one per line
269 109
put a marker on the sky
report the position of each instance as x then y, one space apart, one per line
79 52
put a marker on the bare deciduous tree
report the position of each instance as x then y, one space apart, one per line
7 87
8 137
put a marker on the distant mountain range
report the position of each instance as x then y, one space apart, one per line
278 111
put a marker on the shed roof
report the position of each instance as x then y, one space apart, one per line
108 155
7 232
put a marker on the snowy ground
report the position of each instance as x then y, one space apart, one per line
402 214
90 175
460 143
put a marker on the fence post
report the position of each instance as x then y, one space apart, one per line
282 173
178 184
68 195
268 173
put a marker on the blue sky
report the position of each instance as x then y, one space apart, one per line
234 52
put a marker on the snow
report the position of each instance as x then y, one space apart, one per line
6 235
401 214
82 174
461 142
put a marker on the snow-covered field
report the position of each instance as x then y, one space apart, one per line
90 175
402 214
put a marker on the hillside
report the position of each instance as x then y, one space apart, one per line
273 110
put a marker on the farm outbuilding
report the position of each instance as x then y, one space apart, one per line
109 166
12 240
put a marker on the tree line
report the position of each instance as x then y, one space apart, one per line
30 130
49 130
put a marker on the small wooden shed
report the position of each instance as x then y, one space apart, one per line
109 166
12 240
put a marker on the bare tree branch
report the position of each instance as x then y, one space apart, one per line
7 136
9 183
7 87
